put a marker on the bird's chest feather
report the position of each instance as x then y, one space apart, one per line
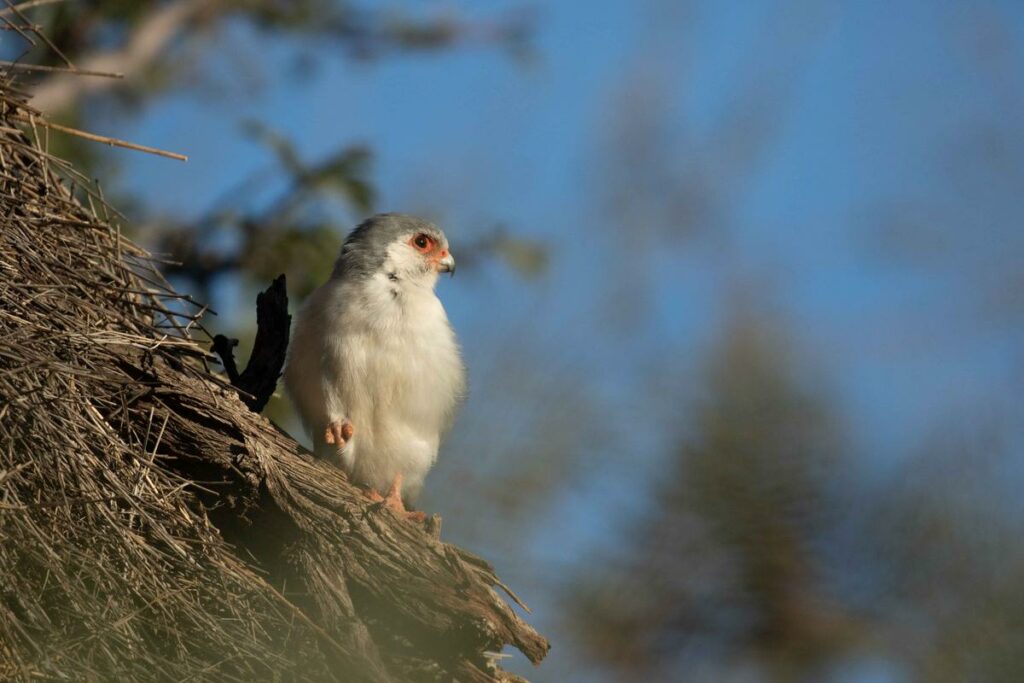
399 358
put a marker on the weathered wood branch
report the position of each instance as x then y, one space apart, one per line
389 590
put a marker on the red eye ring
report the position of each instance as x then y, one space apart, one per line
423 242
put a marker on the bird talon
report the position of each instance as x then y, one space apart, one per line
373 494
395 504
393 501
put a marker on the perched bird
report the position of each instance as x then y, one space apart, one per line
373 367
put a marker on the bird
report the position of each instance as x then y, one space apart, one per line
374 368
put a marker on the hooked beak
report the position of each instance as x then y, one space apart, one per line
447 264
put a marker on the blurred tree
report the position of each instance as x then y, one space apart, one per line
765 557
158 45
725 573
943 535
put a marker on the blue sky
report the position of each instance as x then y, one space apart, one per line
869 102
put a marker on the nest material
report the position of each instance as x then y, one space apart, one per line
151 526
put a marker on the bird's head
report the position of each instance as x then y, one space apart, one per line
397 246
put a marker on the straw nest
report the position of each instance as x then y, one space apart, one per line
154 528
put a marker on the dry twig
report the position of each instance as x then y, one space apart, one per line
113 142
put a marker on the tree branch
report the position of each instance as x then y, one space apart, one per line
148 40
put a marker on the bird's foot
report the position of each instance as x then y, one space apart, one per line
339 432
393 501
373 494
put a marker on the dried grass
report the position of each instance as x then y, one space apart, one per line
108 568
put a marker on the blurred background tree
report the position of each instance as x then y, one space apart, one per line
727 572
739 292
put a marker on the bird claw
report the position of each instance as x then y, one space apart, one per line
373 494
339 432
393 501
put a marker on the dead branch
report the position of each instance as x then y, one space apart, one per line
259 379
113 142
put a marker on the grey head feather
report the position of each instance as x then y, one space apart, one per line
365 248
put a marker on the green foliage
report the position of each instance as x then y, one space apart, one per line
305 255
343 173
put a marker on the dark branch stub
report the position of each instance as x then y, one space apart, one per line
273 324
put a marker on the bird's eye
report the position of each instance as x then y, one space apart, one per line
421 241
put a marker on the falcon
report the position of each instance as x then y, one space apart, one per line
374 368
